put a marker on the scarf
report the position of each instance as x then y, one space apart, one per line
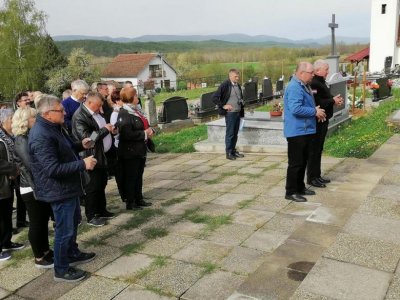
133 111
8 140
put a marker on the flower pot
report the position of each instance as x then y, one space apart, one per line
275 113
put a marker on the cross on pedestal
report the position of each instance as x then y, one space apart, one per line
332 26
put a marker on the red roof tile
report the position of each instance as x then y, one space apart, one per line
358 56
127 65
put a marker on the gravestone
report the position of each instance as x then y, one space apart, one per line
338 85
250 94
280 88
174 108
383 91
150 108
205 109
388 64
267 89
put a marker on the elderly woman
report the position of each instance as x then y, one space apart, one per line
8 171
134 131
39 212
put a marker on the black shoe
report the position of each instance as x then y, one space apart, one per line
144 203
306 192
44 263
96 222
316 183
323 179
296 198
107 215
72 275
13 246
237 154
131 206
230 156
82 258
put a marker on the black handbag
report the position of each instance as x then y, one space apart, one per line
150 145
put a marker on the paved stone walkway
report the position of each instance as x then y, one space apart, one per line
223 230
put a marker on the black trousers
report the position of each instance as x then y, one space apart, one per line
132 178
21 209
39 213
119 179
298 152
95 199
232 122
314 159
5 222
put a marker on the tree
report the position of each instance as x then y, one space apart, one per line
79 67
24 48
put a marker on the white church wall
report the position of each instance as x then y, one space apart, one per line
383 38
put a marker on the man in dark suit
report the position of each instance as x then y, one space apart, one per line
229 99
325 100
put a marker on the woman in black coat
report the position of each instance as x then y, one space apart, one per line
134 131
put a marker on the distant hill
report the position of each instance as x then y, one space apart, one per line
234 37
110 49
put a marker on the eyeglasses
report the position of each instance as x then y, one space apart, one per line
312 72
57 110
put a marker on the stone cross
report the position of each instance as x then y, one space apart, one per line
332 26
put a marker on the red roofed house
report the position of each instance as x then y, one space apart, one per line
145 70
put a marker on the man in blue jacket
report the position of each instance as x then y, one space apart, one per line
300 119
57 173
229 99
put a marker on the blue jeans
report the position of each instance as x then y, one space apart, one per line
232 121
67 214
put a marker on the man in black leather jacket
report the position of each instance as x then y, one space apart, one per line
87 122
229 99
325 100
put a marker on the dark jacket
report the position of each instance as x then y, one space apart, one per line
322 95
221 97
83 125
55 164
7 169
22 151
131 135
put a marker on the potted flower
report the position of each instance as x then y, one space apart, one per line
277 109
375 90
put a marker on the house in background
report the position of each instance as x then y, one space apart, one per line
147 71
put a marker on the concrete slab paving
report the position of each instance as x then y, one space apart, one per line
95 287
218 285
230 234
381 207
16 276
315 233
249 188
374 227
174 278
337 216
4 293
126 266
166 246
265 240
267 203
252 217
283 223
336 279
242 260
232 199
300 209
187 228
363 251
394 288
135 292
201 252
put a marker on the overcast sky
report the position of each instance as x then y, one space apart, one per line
292 19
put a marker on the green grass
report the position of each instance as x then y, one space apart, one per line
365 135
181 141
140 217
245 203
190 94
173 201
208 267
153 232
131 248
211 222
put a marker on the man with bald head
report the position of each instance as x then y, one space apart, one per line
300 119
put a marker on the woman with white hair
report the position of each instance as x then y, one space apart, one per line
39 212
8 171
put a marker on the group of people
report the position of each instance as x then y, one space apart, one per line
308 106
62 153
